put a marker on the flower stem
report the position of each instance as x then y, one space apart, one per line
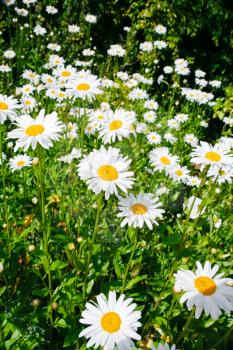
185 329
129 262
96 227
44 227
4 190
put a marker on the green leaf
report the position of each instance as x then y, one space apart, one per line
60 323
58 265
2 290
135 280
40 292
172 240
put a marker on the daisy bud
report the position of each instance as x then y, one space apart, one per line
1 267
34 200
31 248
36 303
35 161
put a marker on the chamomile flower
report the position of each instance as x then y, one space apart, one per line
138 94
43 130
153 138
116 126
150 116
65 72
221 175
28 103
205 290
27 89
179 173
161 159
98 116
8 106
140 209
85 85
160 29
19 162
206 154
106 170
112 322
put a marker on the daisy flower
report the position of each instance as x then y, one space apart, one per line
116 126
19 162
43 130
161 159
85 85
106 170
223 174
8 105
205 290
139 210
193 207
65 72
28 103
111 322
137 94
98 116
206 154
153 138
179 173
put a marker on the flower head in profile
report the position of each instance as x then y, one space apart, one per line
42 130
106 170
217 155
8 106
205 290
140 209
112 323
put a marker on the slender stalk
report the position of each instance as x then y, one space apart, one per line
186 326
5 205
129 262
44 227
96 228
223 338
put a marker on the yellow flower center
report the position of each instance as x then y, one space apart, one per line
108 173
138 209
20 163
111 322
115 124
205 285
65 73
3 106
100 117
61 94
213 156
179 172
34 130
165 160
222 172
27 89
83 87
31 75
49 80
27 102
